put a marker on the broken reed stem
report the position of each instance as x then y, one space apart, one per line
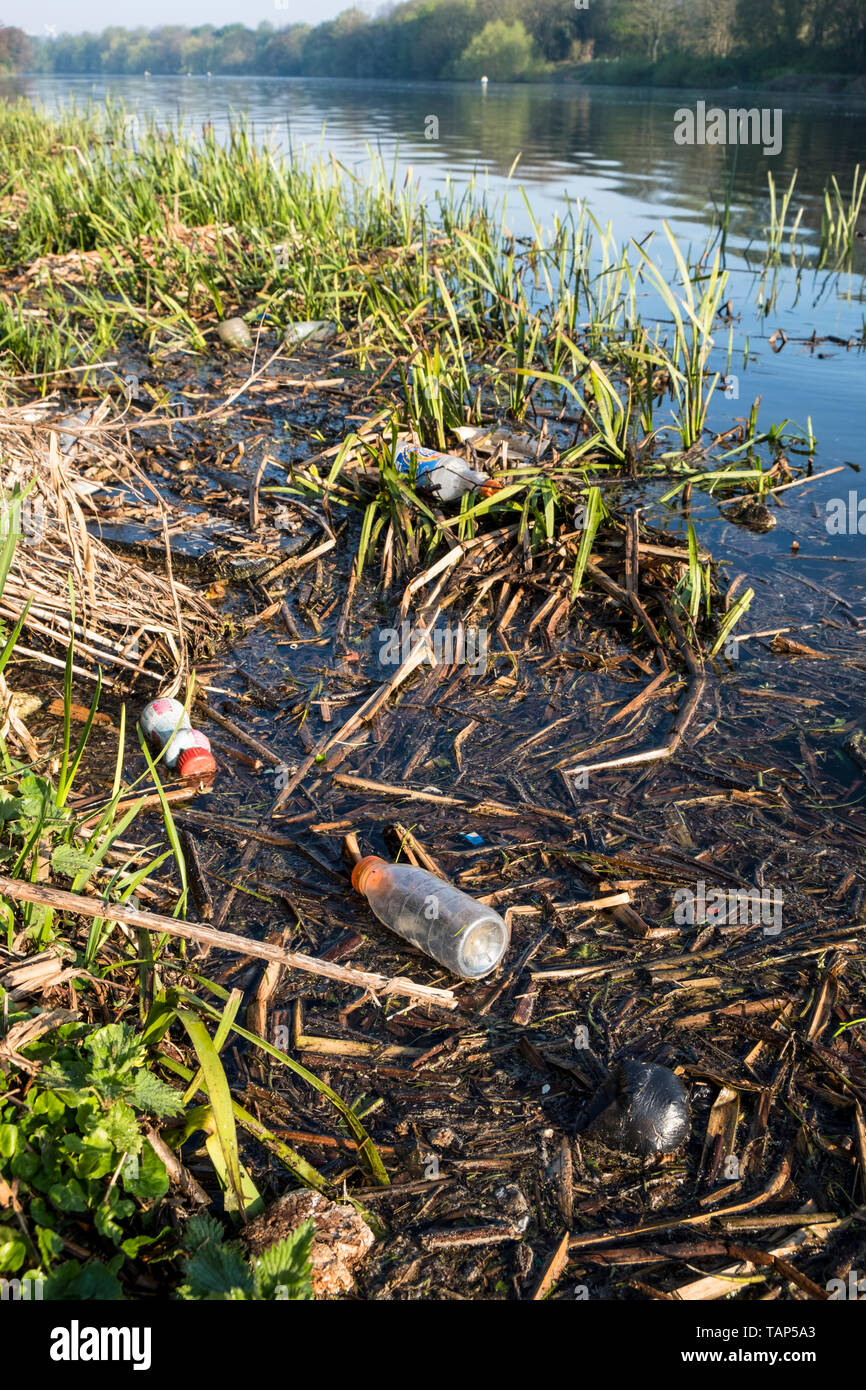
210 937
697 682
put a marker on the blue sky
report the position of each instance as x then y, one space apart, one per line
37 16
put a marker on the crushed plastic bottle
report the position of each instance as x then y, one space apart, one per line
311 331
235 334
445 475
461 934
165 724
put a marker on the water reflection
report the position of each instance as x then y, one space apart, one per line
614 147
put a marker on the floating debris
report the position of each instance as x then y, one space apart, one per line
445 475
433 915
165 724
235 334
311 331
752 513
500 437
646 1110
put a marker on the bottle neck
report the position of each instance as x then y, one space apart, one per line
363 869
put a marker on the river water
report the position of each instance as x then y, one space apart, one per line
615 148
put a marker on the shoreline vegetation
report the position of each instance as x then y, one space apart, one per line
656 43
152 1100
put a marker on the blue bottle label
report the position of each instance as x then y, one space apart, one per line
427 459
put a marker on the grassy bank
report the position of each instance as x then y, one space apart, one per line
780 68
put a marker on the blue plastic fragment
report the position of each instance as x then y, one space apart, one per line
473 839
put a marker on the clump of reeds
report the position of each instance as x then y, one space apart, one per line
839 221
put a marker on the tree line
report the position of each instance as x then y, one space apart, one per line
465 39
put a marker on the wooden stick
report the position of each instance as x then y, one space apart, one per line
481 808
237 732
782 487
410 842
553 1269
86 906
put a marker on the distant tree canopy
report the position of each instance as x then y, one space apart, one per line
430 39
502 51
16 50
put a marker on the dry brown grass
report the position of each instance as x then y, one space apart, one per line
132 622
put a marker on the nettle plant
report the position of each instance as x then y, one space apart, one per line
218 1269
75 1161
77 1170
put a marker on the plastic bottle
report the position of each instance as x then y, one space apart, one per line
446 475
311 331
165 724
464 936
235 334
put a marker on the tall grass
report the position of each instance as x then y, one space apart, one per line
461 321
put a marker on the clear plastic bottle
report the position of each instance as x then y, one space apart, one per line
446 475
311 331
463 935
165 724
235 334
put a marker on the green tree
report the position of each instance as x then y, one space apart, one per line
16 50
647 26
501 51
710 28
553 26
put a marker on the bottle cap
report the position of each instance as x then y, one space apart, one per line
362 869
196 762
491 487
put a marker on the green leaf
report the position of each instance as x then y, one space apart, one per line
155 1096
13 1251
71 1281
596 511
132 1246
160 1017
168 819
49 1242
366 1148
731 618
96 1162
108 1217
8 1140
694 575
147 1179
219 1271
66 1074
68 1196
49 1105
67 860
221 1102
199 1229
283 1270
117 1052
118 1126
